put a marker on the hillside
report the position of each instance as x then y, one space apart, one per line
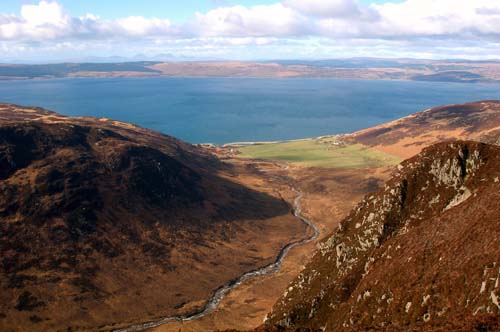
421 253
105 224
405 137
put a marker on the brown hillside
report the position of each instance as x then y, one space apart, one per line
421 254
405 137
105 223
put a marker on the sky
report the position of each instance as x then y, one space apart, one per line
56 30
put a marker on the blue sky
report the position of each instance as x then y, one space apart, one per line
51 30
175 10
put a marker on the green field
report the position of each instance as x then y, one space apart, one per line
320 153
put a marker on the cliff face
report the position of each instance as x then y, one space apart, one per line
423 253
104 222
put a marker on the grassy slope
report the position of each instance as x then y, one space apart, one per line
313 152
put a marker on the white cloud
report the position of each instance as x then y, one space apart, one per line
291 18
458 19
271 20
140 26
328 8
43 13
49 21
411 19
288 23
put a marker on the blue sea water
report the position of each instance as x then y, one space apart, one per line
221 110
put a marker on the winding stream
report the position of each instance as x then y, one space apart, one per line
219 294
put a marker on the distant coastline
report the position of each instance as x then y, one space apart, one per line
376 69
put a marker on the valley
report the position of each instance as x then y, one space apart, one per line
331 176
250 166
330 192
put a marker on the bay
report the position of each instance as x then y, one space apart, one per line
222 110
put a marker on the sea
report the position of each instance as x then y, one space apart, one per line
223 110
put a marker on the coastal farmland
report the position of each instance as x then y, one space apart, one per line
324 152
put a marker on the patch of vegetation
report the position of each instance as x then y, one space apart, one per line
81 222
320 153
35 319
28 302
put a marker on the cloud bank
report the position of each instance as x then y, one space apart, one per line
306 26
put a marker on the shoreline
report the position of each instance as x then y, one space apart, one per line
250 143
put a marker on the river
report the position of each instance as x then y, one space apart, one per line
219 294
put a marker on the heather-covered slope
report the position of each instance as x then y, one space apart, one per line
423 253
405 137
102 222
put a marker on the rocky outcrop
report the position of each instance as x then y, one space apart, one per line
423 253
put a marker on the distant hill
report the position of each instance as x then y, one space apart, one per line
451 76
421 254
69 69
355 68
